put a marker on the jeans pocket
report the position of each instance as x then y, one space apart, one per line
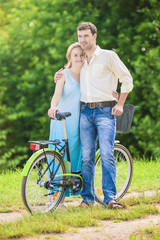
82 108
106 110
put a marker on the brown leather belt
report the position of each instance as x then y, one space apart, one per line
100 104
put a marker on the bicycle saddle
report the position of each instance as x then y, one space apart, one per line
62 115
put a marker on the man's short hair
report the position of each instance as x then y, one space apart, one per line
87 25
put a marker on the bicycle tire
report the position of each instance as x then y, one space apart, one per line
124 171
36 197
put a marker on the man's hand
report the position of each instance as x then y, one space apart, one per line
117 110
115 94
52 112
59 75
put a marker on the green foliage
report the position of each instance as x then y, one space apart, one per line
34 36
144 50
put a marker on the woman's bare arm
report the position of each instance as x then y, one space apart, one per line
56 97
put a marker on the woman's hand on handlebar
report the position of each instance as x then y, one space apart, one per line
52 112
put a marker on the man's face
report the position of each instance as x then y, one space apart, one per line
86 39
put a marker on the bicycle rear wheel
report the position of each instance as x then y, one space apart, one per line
124 170
44 195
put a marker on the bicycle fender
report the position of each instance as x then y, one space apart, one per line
97 154
34 156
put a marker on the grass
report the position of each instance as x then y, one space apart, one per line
74 217
145 177
148 233
10 191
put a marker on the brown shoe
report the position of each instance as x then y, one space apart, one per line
84 204
114 205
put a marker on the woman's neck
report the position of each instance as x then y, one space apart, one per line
75 73
75 69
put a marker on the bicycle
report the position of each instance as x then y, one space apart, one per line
47 175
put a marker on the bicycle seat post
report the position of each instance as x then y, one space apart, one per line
64 129
66 142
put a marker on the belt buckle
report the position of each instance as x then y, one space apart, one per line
92 105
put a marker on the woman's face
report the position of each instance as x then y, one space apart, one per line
77 56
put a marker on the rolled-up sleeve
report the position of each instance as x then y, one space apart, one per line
122 73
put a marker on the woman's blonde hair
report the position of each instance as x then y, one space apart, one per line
68 54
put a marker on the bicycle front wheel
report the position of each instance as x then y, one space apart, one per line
40 192
124 170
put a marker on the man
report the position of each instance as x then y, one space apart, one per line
98 79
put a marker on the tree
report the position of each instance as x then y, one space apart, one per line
34 39
33 49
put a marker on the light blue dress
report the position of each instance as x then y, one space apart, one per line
69 102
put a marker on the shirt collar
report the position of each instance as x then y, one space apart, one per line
97 51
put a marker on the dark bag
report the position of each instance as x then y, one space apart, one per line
124 121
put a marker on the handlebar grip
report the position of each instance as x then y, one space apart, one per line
62 115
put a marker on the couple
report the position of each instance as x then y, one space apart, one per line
91 76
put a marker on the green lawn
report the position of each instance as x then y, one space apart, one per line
146 176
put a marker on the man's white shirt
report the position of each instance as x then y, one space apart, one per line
100 77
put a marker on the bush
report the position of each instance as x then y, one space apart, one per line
35 36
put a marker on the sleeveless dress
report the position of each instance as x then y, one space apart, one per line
69 102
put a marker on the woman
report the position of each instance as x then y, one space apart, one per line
66 98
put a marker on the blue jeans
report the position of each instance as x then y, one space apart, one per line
98 123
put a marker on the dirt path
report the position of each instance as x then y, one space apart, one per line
10 217
106 230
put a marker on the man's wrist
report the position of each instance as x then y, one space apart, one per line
121 104
122 99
